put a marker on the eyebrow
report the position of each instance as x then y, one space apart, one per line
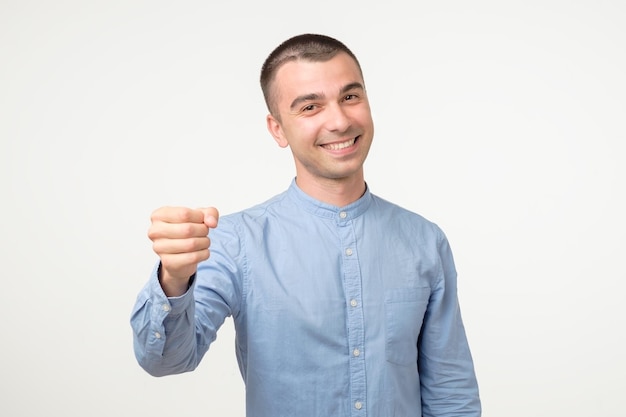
315 96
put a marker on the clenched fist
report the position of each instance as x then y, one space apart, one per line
180 236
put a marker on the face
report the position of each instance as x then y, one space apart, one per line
324 117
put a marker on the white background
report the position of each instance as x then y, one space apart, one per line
502 121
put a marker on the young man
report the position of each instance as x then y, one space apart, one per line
344 304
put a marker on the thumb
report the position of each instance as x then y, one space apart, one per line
211 216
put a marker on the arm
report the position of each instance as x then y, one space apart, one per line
171 334
448 382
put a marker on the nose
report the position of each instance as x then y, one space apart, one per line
337 118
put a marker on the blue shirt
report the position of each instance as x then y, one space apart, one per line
349 311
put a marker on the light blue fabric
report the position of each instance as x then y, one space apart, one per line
348 311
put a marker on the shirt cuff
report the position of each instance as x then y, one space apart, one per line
177 305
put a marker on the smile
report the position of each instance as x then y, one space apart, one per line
339 146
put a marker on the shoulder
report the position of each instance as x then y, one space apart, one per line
406 220
257 214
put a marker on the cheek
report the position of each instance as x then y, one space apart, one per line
304 131
365 119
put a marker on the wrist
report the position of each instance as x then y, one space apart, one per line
174 286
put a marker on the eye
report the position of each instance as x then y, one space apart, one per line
350 97
308 108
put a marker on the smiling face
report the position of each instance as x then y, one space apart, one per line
323 115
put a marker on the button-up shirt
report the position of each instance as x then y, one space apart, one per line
338 311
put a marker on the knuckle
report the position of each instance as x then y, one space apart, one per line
158 214
181 215
189 246
152 234
184 215
188 229
197 256
157 247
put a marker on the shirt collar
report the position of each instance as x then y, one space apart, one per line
329 211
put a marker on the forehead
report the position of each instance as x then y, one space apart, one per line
299 77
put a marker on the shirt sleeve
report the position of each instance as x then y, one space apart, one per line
448 381
172 334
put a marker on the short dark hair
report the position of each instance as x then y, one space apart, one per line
308 47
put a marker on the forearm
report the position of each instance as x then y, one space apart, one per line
164 331
448 382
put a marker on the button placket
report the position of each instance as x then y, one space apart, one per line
355 325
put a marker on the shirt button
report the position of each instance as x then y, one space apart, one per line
157 335
353 303
348 251
358 405
343 214
166 307
356 352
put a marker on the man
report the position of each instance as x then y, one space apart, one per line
343 303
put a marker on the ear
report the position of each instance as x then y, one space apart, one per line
276 131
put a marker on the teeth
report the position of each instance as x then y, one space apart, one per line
338 146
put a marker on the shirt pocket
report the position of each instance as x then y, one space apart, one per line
404 314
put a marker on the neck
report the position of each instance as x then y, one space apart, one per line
336 192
